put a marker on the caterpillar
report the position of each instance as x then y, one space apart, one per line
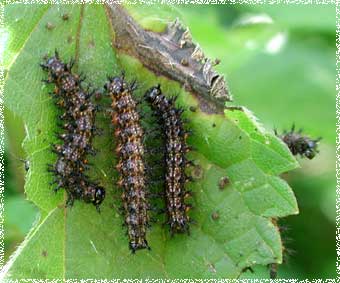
78 131
286 252
131 166
175 160
299 144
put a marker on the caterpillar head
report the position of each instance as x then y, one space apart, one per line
54 66
94 194
153 93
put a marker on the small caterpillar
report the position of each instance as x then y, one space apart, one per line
299 144
131 165
176 162
78 131
286 252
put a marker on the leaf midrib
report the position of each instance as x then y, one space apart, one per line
75 68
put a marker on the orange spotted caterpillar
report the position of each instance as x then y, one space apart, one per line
175 160
131 166
78 131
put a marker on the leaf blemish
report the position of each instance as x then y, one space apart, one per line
44 253
65 17
215 215
224 181
212 267
197 172
50 26
91 44
69 39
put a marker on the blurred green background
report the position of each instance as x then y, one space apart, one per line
279 61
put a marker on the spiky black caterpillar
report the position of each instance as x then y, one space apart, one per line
131 167
299 144
286 252
176 162
78 131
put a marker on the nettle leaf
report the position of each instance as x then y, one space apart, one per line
233 228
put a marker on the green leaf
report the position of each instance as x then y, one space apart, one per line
296 17
19 26
233 228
